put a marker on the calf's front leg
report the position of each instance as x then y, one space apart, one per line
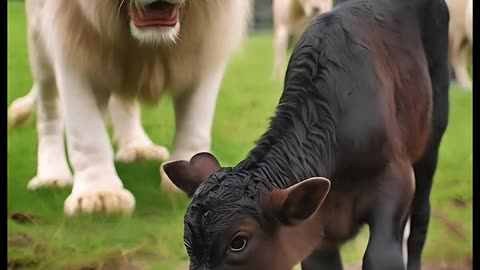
323 259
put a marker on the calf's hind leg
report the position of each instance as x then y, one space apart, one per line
420 217
436 47
387 219
323 259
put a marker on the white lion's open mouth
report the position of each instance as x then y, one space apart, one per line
156 14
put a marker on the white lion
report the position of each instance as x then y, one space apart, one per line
85 54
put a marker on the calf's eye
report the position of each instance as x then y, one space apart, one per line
238 243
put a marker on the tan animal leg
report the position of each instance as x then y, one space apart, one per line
280 48
459 64
194 113
469 21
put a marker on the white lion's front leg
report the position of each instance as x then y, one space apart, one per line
97 187
194 113
133 142
52 165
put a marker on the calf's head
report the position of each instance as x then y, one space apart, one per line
239 221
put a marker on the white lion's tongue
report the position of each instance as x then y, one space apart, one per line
156 14
160 11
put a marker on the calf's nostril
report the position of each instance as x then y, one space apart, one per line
316 11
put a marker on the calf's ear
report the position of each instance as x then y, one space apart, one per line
295 204
188 175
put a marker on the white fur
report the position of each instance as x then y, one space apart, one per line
21 108
406 230
134 144
469 21
406 234
460 33
85 63
88 144
200 102
155 36
290 18
132 140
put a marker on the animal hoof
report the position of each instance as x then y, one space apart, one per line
111 202
131 153
50 182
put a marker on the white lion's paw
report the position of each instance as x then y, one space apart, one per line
50 182
166 183
119 201
19 111
464 85
467 87
133 152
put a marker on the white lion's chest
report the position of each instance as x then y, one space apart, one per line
150 74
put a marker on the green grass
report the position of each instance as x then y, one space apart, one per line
152 237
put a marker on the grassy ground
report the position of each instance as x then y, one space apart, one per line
152 238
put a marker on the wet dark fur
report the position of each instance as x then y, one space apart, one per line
359 92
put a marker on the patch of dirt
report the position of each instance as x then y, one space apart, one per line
452 226
19 240
125 259
24 264
459 202
128 259
23 241
117 264
23 218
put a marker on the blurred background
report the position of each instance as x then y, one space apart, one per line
40 237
